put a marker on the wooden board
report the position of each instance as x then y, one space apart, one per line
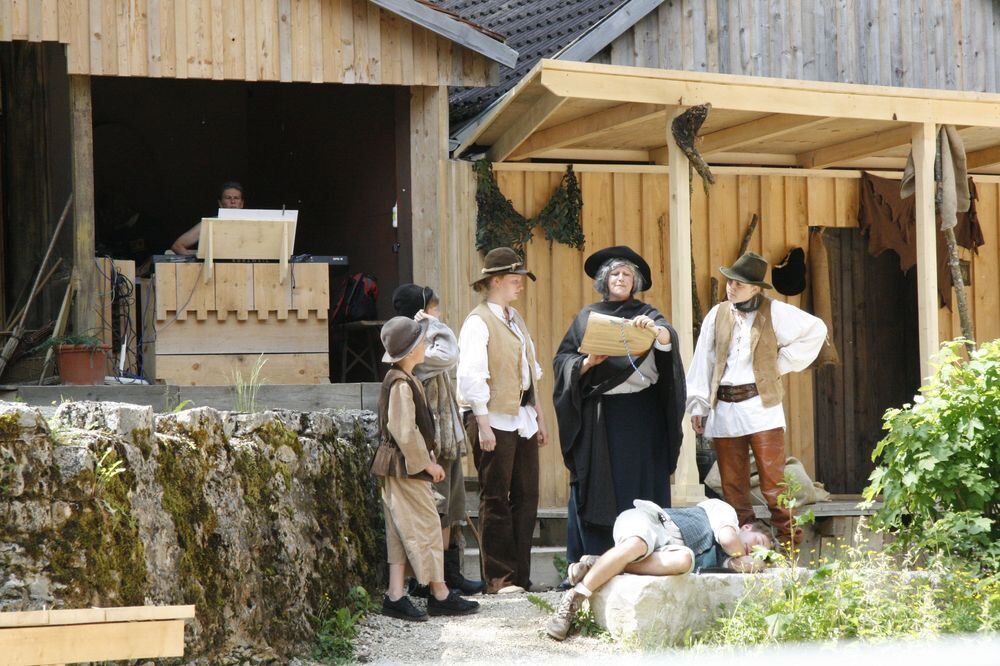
215 369
74 643
227 39
253 336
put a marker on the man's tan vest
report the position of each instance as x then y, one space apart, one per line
504 354
763 352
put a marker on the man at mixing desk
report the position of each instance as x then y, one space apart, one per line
230 196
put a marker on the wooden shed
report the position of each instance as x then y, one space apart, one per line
142 108
787 150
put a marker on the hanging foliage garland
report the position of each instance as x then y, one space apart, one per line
498 224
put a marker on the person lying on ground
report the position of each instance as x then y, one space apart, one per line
653 541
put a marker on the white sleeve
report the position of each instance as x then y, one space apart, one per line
720 516
473 365
699 376
800 336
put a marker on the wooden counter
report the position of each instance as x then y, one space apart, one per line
206 331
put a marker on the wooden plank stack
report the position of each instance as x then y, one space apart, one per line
92 634
208 331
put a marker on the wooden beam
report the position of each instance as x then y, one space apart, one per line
82 161
595 155
924 138
73 643
855 149
460 32
686 488
580 131
524 126
738 94
762 129
604 32
983 158
428 187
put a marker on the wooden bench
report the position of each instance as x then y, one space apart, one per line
92 634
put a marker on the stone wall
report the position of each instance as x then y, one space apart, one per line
257 519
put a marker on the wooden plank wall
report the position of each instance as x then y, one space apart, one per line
913 43
628 205
318 41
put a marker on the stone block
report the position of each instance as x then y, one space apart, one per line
662 610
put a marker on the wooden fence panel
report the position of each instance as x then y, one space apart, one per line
629 205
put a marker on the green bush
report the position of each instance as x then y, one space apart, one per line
938 471
862 597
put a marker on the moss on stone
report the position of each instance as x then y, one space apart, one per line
203 575
274 433
10 426
98 549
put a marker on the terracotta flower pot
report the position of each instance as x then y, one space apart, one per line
81 364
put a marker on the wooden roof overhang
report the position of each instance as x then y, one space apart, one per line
575 111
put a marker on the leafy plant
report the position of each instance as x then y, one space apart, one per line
88 341
336 629
864 596
541 604
108 467
788 503
246 388
938 467
561 565
585 624
182 405
498 224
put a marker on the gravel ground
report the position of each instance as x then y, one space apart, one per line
507 628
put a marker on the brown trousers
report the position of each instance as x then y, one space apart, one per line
734 468
508 505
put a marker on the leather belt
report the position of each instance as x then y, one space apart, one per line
737 393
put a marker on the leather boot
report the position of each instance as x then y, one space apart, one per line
733 454
453 577
769 450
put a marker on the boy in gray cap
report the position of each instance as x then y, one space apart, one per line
405 462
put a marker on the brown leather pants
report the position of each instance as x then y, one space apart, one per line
734 467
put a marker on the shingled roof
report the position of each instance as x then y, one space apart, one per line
536 29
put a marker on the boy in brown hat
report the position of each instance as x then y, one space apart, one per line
497 375
746 344
406 464
435 372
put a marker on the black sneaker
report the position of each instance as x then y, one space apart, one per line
415 589
402 608
453 605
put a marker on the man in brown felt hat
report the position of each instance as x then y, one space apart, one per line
497 375
746 344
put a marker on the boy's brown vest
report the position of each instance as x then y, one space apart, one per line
763 352
389 459
504 356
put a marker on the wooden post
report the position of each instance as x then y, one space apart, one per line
428 195
84 268
923 141
686 488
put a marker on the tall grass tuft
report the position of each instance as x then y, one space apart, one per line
245 389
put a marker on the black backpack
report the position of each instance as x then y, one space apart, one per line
356 299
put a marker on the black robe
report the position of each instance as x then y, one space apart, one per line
582 431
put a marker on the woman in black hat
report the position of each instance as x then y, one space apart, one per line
619 417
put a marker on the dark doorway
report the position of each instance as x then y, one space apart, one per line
875 330
162 148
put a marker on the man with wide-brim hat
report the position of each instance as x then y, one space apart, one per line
746 344
497 375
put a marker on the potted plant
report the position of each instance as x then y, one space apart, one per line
82 359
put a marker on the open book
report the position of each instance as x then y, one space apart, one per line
608 336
